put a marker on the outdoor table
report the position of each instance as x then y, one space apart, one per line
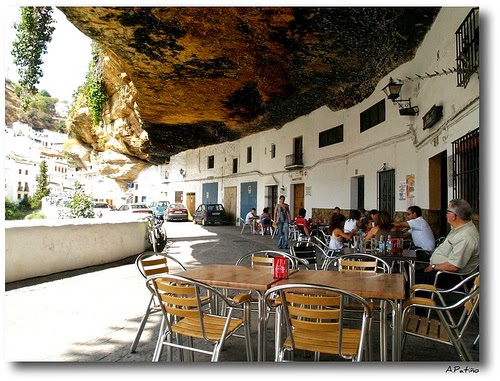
408 256
386 287
258 279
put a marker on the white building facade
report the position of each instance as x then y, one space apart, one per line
366 156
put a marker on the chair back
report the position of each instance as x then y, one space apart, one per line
184 298
361 262
307 250
314 318
264 258
150 264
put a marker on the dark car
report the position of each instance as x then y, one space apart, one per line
176 212
210 214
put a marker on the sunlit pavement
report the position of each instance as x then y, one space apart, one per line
92 315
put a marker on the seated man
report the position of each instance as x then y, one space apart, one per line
459 252
251 218
420 231
302 224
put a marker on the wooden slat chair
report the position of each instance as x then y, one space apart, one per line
313 317
367 263
181 301
445 328
152 264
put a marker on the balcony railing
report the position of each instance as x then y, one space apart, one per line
294 161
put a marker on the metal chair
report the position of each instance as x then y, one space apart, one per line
362 262
181 301
313 319
245 224
265 258
152 264
445 328
368 263
308 251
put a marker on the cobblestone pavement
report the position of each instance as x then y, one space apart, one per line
91 315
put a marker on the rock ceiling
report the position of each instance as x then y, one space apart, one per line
205 75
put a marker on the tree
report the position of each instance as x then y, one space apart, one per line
81 205
42 186
33 33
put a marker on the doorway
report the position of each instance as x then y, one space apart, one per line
438 189
357 192
298 199
230 194
191 203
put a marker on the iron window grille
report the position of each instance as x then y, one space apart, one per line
467 45
465 159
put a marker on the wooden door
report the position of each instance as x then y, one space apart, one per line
298 199
191 203
230 204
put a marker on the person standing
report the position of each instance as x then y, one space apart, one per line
420 231
459 252
282 218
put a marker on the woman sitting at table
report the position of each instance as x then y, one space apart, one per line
338 235
383 227
265 220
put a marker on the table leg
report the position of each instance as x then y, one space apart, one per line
411 270
261 329
396 328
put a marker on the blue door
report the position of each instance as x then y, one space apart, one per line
248 198
209 193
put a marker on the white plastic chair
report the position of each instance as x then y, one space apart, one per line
244 224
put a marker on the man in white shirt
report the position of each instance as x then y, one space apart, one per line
251 218
420 231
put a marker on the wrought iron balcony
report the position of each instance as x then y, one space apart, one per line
294 161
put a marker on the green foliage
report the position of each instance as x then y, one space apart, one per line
94 88
15 211
81 204
38 215
42 186
40 112
33 33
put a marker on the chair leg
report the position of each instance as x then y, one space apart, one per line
248 341
143 324
162 336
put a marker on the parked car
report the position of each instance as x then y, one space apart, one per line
176 212
159 207
101 209
139 210
210 214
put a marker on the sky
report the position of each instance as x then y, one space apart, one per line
66 61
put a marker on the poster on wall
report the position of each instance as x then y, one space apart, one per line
402 190
410 190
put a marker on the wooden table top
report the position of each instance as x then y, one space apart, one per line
231 276
376 286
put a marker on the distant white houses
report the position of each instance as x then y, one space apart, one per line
25 148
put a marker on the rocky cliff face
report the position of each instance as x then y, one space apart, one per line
180 78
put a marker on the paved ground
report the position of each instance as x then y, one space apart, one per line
91 315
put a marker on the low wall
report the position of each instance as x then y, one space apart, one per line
42 247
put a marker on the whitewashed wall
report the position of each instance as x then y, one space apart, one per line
42 247
400 142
